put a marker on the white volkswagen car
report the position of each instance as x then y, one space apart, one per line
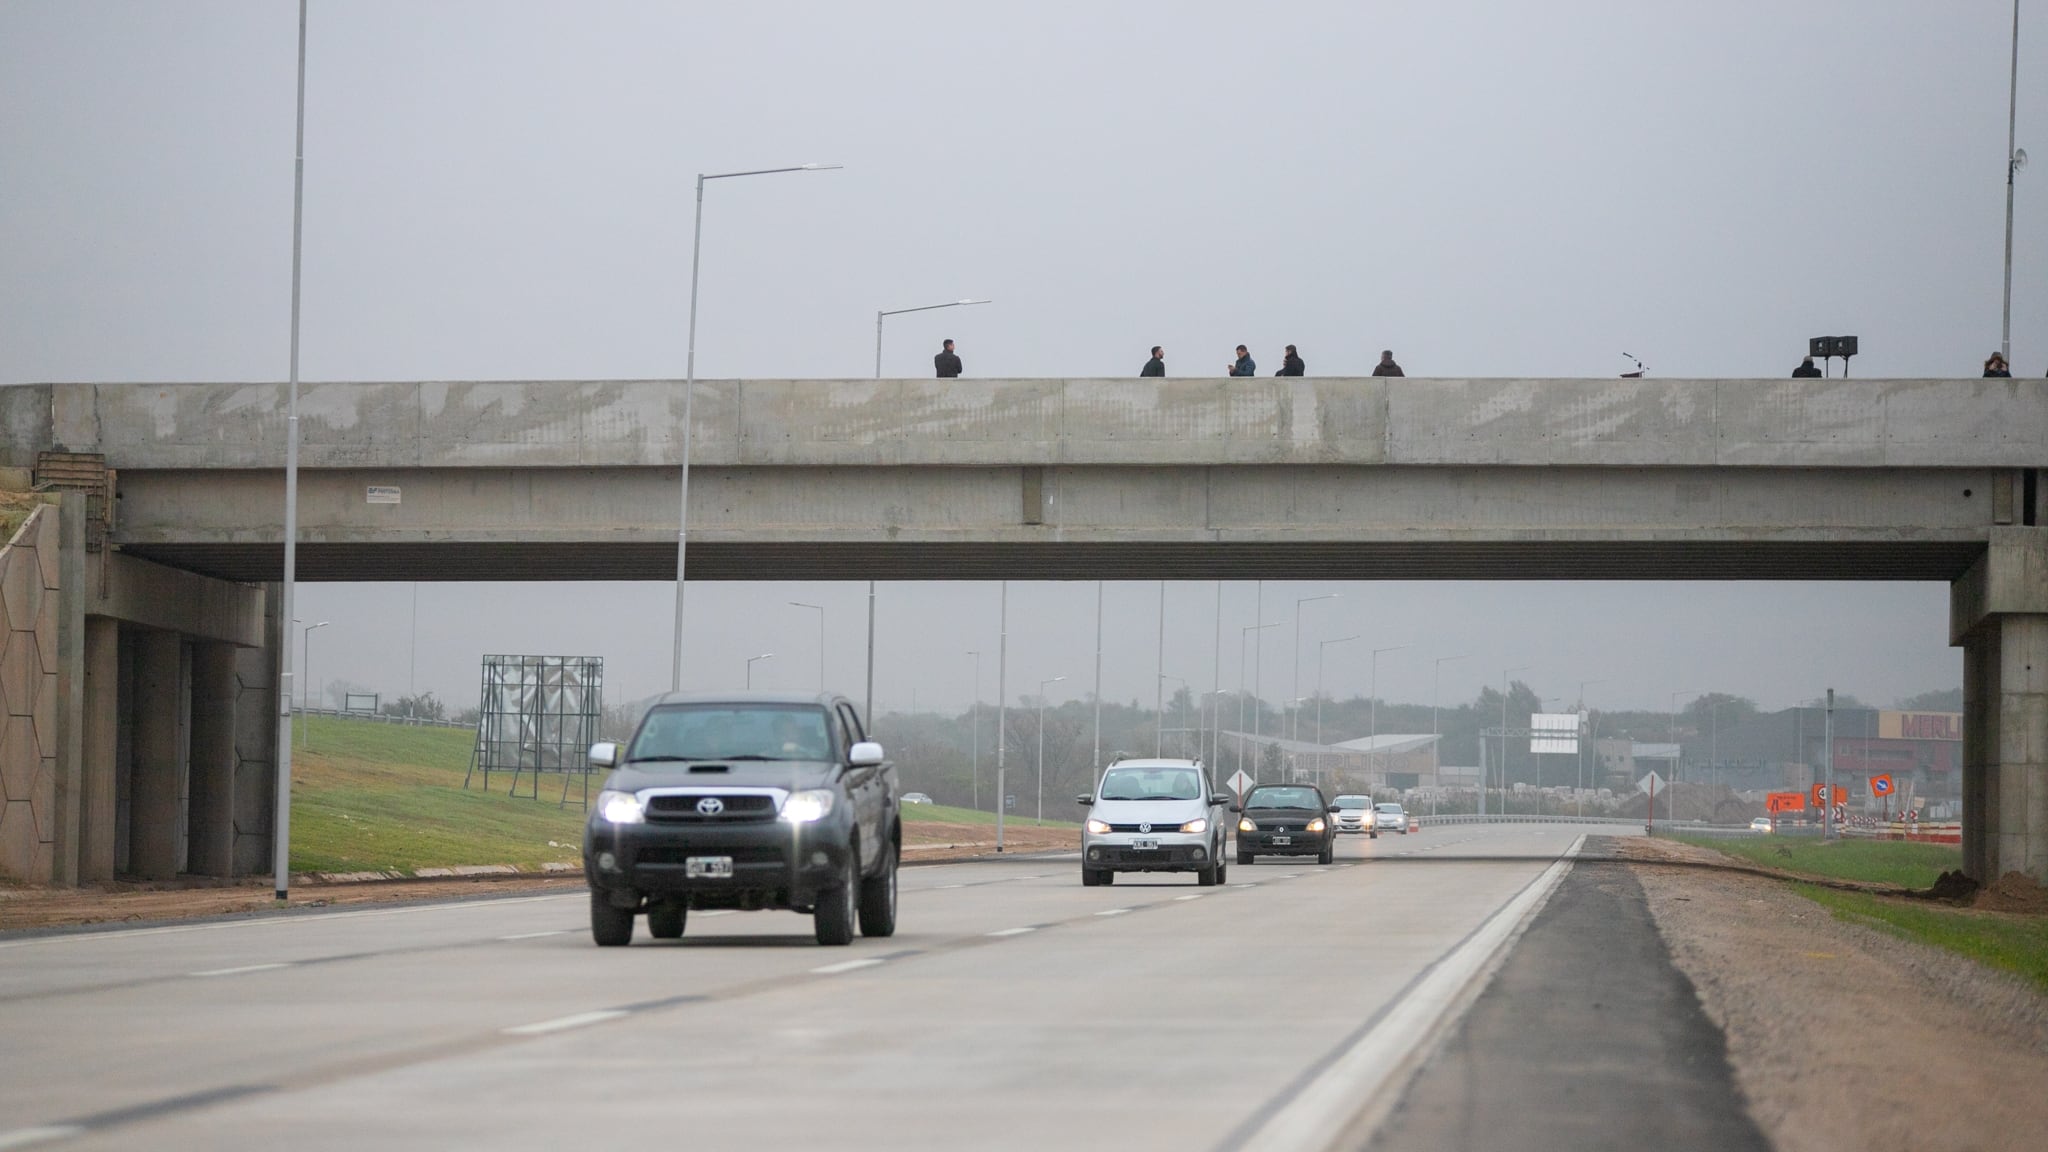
1153 816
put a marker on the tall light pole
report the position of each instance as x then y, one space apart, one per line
1582 749
1294 689
1373 707
1322 649
689 398
1163 677
900 311
750 666
1244 639
820 610
281 821
1436 759
1504 674
1671 789
975 770
1158 680
305 670
1042 684
1216 686
2015 159
1095 761
1002 707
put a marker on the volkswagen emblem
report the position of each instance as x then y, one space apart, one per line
710 806
1144 827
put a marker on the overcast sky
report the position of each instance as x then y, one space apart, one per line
502 190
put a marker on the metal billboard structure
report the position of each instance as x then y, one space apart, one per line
538 714
1555 733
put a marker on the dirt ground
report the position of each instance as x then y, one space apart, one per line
1845 1037
119 902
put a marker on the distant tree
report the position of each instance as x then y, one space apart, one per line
425 706
1939 700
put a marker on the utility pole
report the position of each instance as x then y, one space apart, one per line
1827 739
1002 709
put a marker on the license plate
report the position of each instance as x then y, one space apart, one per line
1145 845
1279 840
708 867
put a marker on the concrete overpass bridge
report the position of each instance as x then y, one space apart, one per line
1084 478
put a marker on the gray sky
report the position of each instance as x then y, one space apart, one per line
502 190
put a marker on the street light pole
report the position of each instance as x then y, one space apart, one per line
975 771
1096 760
2014 159
1002 708
750 667
820 610
1182 681
1504 674
1323 649
1373 711
1243 639
1294 688
1581 787
901 311
1158 677
281 821
1042 685
305 671
1436 759
689 397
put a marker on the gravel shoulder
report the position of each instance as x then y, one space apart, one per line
1843 1036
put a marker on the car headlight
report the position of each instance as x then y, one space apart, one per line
620 808
808 806
1316 825
1097 827
1198 824
1247 826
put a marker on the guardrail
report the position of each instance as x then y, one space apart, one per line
380 718
1468 818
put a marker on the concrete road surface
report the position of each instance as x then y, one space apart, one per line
1013 1009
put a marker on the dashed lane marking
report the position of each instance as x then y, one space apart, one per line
564 1023
24 1137
1112 911
845 966
239 971
1012 931
1192 896
535 935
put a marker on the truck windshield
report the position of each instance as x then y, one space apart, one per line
1152 784
733 732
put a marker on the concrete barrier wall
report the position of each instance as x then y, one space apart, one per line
28 698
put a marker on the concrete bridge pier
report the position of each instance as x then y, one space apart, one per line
1999 617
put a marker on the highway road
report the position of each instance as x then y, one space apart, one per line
1013 1009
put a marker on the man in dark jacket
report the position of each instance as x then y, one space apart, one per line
1386 366
1806 370
1997 367
1292 365
1245 365
946 362
1156 366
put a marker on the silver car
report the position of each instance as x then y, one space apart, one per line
1153 816
1354 815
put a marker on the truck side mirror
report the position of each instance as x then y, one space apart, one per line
604 754
865 754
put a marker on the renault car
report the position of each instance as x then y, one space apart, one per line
1285 820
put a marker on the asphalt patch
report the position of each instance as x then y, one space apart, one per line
1588 1037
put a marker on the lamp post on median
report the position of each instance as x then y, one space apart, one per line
305 674
1294 687
1436 759
1042 684
974 770
1373 709
820 610
750 666
1322 649
1244 638
900 311
281 818
1505 673
689 398
2015 159
1582 750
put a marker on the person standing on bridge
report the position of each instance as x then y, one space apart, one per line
1156 366
947 362
1806 370
1386 366
1245 365
1292 365
1997 367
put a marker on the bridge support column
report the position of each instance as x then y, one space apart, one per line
99 738
1999 617
156 794
212 850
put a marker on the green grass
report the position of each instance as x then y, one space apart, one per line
385 797
942 814
2016 944
1900 862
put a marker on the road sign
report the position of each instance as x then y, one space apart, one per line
1651 783
1238 782
1881 785
1784 802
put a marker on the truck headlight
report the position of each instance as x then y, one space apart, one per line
1097 827
1247 826
620 808
1198 824
808 806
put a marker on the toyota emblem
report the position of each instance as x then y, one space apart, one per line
710 806
1144 827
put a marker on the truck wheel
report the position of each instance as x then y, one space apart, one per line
833 918
610 927
878 899
665 920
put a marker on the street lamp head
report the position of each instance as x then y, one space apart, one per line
819 167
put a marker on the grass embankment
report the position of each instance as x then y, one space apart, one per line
14 509
1900 862
369 797
2014 942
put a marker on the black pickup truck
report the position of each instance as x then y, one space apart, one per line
745 800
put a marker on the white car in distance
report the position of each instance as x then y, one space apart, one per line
1390 817
1354 815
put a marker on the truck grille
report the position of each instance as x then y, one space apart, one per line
739 808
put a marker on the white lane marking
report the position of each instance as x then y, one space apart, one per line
564 1023
1192 896
535 935
23 1137
1290 876
943 887
1355 1091
238 971
1253 885
845 966
1112 911
720 912
272 921
1012 931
